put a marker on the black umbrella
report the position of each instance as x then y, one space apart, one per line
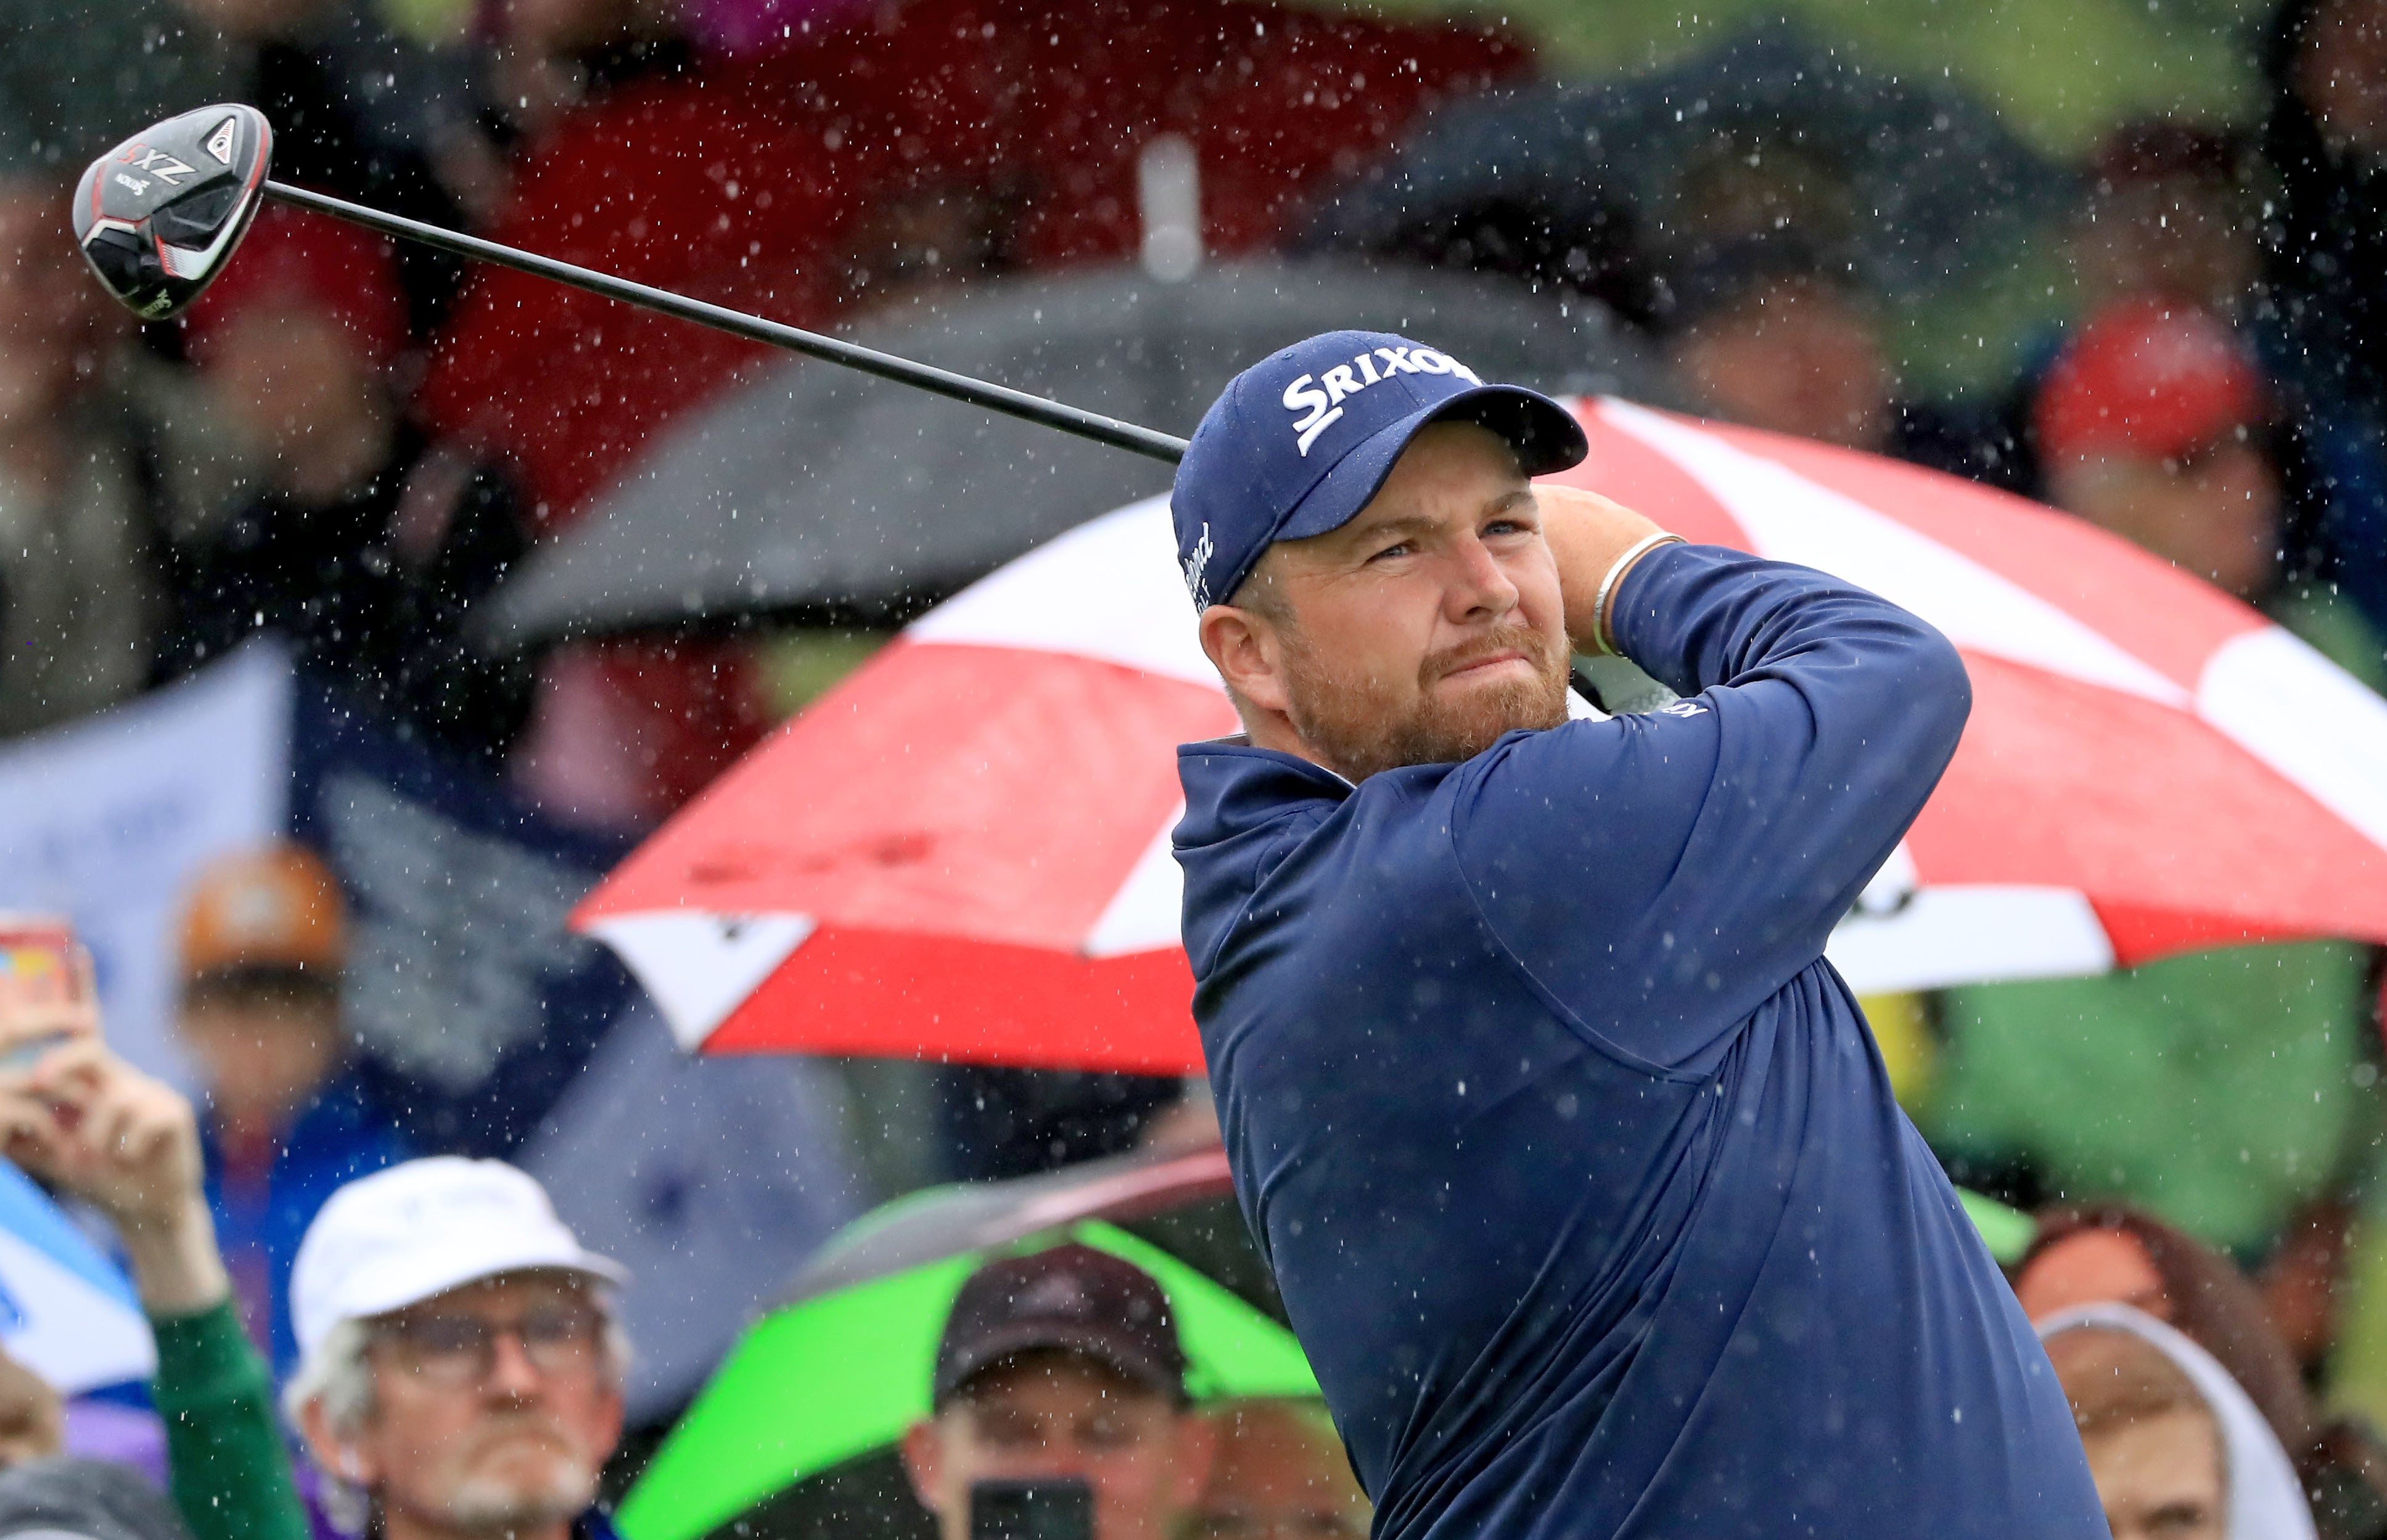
815 488
1914 184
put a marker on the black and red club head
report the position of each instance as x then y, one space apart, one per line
159 216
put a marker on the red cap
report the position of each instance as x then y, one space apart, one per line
292 260
2155 377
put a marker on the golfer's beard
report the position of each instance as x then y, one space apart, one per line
1358 727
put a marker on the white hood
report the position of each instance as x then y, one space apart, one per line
2267 1501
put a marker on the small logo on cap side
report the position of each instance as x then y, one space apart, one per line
1197 569
1319 396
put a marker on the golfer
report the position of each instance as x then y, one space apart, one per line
1574 1159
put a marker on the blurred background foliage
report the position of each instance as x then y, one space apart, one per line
2061 71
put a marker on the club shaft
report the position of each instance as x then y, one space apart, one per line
887 366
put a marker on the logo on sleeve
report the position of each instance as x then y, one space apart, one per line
1318 397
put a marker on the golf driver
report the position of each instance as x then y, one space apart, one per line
159 216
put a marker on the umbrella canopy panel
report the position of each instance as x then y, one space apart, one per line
834 1377
928 891
2151 766
818 486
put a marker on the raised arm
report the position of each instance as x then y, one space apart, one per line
94 1127
1658 876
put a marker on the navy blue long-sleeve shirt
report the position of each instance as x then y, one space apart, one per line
1574 1160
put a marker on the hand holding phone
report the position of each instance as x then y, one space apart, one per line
83 1120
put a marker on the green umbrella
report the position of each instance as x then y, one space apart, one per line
2006 1231
822 1381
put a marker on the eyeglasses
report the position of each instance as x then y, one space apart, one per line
462 1350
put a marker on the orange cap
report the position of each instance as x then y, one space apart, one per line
279 907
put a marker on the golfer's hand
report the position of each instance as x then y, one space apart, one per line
1586 533
94 1127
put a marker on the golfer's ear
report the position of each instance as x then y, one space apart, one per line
1244 647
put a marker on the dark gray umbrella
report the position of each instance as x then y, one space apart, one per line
1914 182
817 488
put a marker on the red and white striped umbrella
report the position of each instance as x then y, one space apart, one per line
963 851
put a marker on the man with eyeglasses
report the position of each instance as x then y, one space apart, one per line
461 1372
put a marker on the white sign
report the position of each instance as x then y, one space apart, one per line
106 821
66 1312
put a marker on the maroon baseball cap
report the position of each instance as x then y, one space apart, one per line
1071 1299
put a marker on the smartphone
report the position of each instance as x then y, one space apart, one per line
40 969
1042 1507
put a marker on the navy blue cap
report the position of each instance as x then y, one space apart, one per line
1299 442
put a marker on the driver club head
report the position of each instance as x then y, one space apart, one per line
159 216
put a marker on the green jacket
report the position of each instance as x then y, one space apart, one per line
229 1466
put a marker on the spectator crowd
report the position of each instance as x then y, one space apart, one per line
349 444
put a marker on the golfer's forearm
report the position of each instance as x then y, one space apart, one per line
1588 534
176 1267
1880 696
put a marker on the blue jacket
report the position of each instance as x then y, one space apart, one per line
339 1136
1574 1160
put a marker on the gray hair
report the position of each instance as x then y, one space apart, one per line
340 1374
